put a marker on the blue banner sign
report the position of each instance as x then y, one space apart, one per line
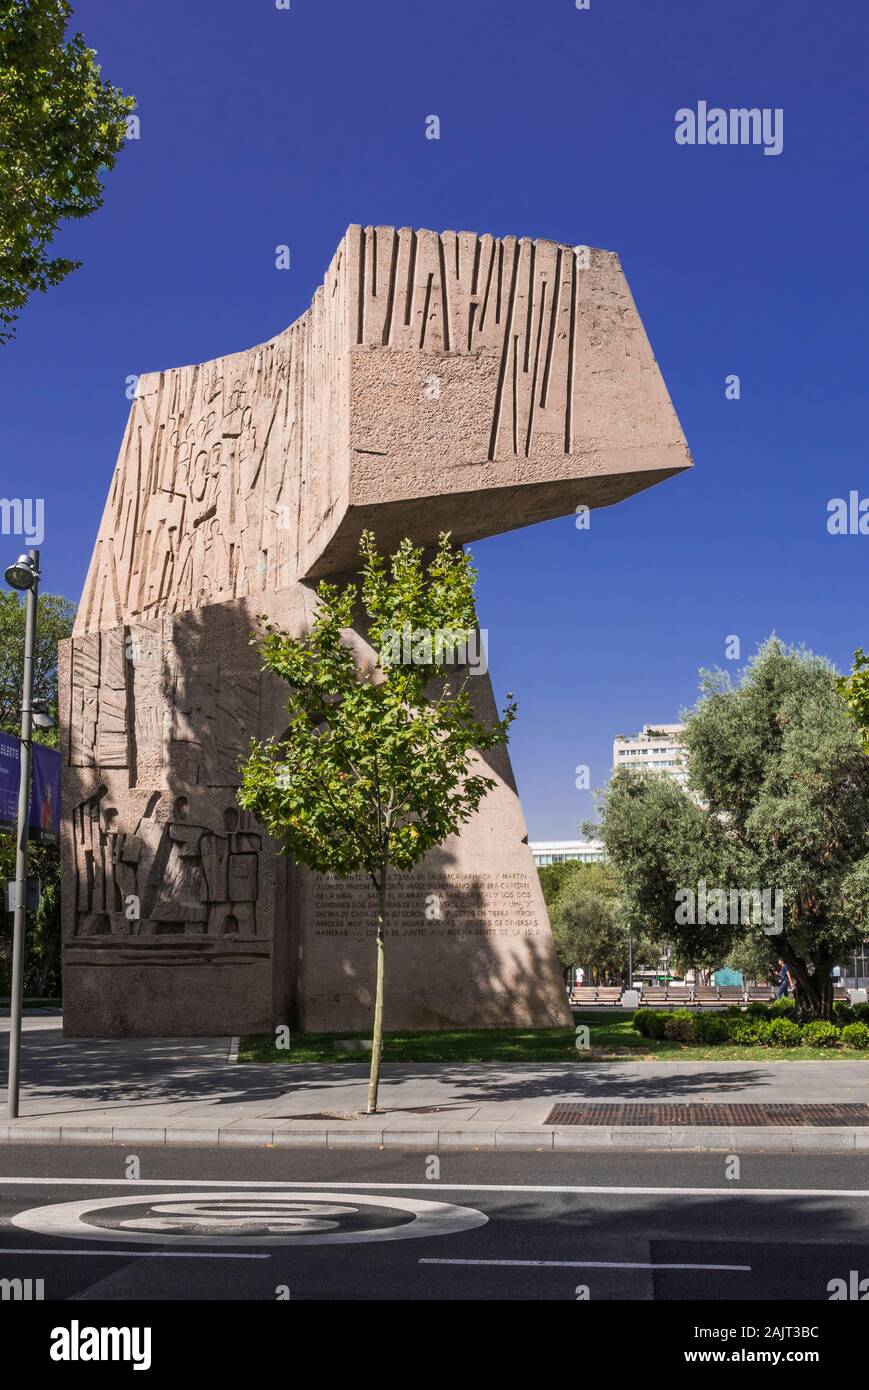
44 818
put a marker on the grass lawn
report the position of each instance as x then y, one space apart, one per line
460 1045
612 1039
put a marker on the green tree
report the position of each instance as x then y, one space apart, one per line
590 927
588 930
376 767
854 689
54 620
553 877
42 975
657 841
779 801
60 127
751 957
586 923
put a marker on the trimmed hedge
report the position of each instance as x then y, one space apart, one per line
711 1028
856 1035
822 1034
763 1025
745 1031
649 1022
850 1013
783 1032
679 1026
785 1005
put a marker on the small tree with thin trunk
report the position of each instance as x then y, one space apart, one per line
377 765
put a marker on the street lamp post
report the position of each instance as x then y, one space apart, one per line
24 574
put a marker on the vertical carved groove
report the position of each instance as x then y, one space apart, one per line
425 309
568 405
530 313
488 288
505 353
390 296
445 302
411 271
471 314
536 369
360 328
515 393
553 319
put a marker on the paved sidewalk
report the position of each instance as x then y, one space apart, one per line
189 1091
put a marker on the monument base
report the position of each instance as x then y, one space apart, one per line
182 919
464 948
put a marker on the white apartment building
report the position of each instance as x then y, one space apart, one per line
657 747
546 852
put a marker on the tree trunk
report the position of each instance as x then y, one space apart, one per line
377 1036
814 990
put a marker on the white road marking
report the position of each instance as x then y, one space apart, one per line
141 1254
282 1219
348 1184
582 1264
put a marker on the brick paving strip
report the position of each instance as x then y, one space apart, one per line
668 1113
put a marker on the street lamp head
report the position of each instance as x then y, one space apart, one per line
23 574
41 717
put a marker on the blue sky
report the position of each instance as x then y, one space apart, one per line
261 126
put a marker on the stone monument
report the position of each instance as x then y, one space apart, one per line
437 382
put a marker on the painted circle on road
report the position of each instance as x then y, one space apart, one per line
248 1218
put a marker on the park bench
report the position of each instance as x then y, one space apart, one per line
608 994
759 994
595 994
680 996
654 994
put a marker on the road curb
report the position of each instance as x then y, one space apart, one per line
544 1139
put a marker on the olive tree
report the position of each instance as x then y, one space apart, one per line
772 833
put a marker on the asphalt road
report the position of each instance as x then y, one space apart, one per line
359 1225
